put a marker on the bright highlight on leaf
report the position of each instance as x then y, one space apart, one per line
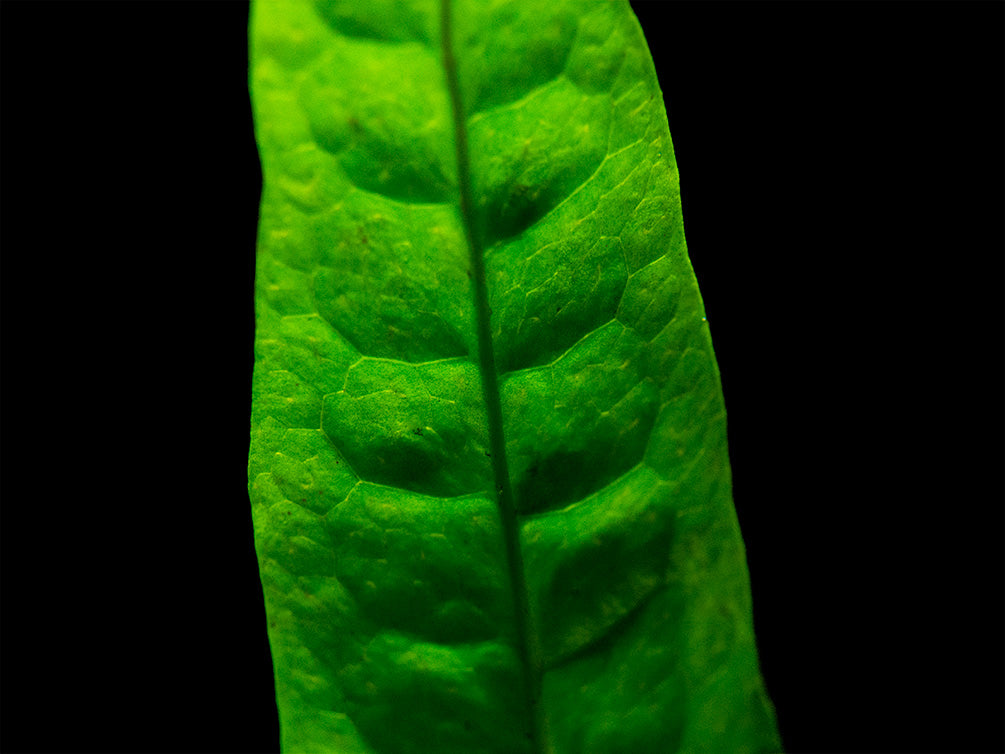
488 470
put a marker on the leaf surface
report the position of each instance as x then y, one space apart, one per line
488 470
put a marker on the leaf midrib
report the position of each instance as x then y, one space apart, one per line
527 640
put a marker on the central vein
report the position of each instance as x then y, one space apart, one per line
526 636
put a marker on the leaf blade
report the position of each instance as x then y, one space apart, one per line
381 548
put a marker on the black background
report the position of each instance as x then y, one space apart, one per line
842 181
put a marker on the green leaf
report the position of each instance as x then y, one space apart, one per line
488 470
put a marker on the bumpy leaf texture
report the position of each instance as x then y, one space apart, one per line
488 471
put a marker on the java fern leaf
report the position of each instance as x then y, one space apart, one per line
488 471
